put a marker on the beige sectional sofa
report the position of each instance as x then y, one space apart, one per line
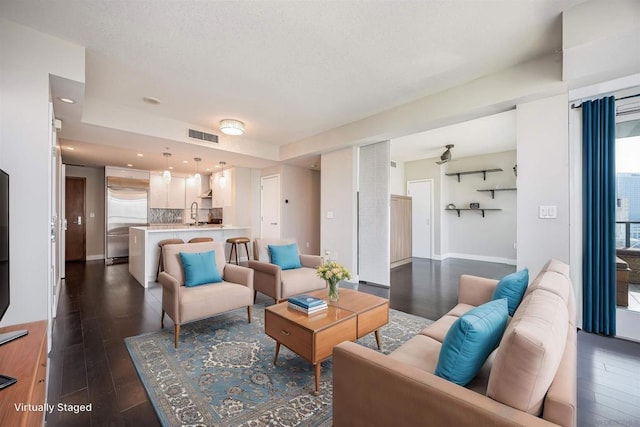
530 379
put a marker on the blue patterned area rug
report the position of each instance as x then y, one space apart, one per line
222 374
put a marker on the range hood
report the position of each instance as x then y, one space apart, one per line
207 195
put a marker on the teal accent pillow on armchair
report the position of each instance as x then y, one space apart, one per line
286 256
512 287
470 340
199 268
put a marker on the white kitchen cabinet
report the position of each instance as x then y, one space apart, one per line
157 192
176 196
221 196
170 196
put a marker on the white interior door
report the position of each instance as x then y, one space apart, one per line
270 206
421 193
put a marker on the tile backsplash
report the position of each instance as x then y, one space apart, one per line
165 216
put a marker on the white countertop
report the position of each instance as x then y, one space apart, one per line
187 227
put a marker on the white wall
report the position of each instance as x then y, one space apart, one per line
543 179
26 60
338 184
600 41
374 214
300 216
397 183
301 207
94 204
471 236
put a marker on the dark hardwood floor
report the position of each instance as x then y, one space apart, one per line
101 305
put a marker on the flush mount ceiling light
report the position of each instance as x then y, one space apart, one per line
446 156
66 100
231 127
166 175
197 176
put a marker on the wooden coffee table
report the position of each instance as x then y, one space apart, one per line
313 337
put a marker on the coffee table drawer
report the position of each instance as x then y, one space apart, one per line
289 334
373 319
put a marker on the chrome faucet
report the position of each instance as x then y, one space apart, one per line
194 212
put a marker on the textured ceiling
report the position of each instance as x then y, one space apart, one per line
289 69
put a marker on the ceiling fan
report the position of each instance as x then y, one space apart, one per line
446 156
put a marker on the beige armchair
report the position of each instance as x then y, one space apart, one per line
280 284
185 304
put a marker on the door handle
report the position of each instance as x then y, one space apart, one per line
79 220
274 223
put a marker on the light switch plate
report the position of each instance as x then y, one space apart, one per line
548 212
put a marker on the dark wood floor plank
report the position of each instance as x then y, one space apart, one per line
101 305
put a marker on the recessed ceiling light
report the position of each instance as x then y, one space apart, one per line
130 165
170 167
67 100
140 154
208 169
69 148
151 100
185 161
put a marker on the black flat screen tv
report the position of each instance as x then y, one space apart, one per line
4 243
5 291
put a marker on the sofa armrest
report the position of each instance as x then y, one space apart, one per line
372 389
311 261
170 295
238 274
267 278
474 290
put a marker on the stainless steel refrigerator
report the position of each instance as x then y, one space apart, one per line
127 206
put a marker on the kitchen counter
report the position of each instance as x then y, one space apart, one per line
144 251
183 227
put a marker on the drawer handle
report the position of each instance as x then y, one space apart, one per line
285 332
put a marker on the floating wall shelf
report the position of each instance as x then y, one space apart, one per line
483 172
474 209
493 190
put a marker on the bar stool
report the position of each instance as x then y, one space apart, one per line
161 244
235 241
201 239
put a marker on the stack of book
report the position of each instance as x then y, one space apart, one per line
307 304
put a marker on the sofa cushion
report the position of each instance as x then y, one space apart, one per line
460 309
420 351
555 278
512 287
285 256
470 340
300 280
438 329
530 352
199 268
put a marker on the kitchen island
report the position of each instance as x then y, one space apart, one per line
143 244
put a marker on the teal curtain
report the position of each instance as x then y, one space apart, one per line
599 216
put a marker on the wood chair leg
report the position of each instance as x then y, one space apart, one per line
249 313
233 245
162 320
255 295
246 248
177 334
236 246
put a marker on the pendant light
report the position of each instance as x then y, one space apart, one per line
166 175
222 180
197 177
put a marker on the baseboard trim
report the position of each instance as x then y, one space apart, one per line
483 258
94 257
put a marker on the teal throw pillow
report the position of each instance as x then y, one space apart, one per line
470 340
286 256
512 287
199 268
